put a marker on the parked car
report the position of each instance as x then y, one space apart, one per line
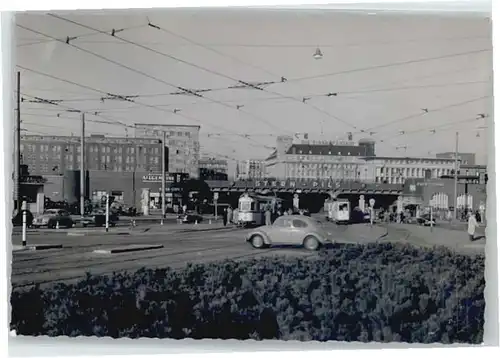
51 217
426 220
190 218
290 230
98 218
17 220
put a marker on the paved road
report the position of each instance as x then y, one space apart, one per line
192 244
180 247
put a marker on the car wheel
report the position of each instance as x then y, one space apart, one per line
311 243
257 241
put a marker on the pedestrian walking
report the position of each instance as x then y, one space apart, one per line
268 217
229 215
478 216
224 217
472 225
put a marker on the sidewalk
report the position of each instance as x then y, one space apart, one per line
441 236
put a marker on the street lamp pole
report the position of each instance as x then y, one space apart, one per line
82 169
456 178
163 169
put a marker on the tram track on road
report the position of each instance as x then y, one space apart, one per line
174 264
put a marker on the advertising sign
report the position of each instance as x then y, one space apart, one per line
170 177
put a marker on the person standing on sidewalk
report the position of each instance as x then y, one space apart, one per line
268 217
472 225
224 217
229 215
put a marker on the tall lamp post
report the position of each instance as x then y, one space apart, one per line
455 187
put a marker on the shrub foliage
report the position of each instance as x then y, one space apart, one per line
381 293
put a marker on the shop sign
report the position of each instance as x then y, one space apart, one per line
316 184
156 178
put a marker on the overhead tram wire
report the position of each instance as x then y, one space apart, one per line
212 71
223 75
135 102
71 38
76 110
206 70
269 72
363 90
432 129
388 65
187 91
423 113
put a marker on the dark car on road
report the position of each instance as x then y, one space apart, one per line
425 220
52 217
190 218
98 219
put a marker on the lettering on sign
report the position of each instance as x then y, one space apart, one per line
283 183
155 178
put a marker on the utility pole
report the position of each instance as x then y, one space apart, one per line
456 178
163 169
82 169
17 162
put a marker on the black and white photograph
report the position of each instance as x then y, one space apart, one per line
251 174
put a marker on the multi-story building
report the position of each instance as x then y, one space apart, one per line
342 160
252 169
395 170
213 169
183 142
52 155
465 158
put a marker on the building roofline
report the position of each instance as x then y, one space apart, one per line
408 158
88 138
167 125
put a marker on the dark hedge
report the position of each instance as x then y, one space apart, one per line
381 293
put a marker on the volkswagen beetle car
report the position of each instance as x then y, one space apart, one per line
290 230
51 217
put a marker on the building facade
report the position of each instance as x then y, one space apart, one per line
439 193
212 169
52 155
252 169
465 158
217 165
340 160
127 188
183 142
395 170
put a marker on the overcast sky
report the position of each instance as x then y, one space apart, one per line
396 78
